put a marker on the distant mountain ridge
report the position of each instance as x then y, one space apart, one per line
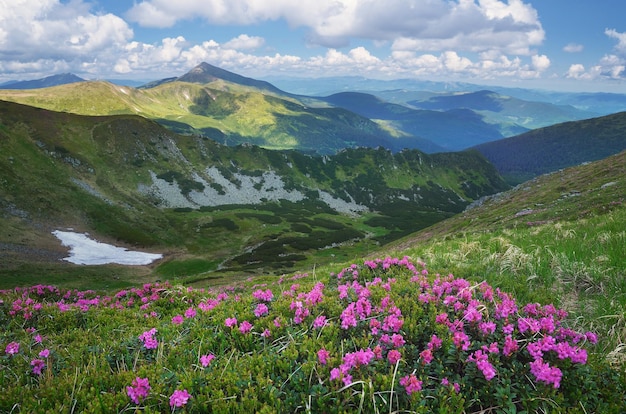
230 113
234 109
54 80
548 149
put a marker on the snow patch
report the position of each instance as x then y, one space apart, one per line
84 250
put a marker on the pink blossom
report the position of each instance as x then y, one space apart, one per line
245 327
411 384
38 366
264 295
592 337
348 318
261 310
510 345
435 342
266 333
397 340
45 353
461 340
179 398
230 322
12 348
190 313
322 356
149 342
481 360
205 360
394 356
543 372
177 320
301 311
139 389
319 322
427 356
487 327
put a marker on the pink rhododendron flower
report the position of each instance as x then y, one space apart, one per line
179 398
139 389
149 342
543 372
230 322
427 356
205 360
510 345
38 366
245 327
394 356
266 333
322 356
397 340
264 295
45 353
411 384
482 362
190 313
261 310
12 348
319 322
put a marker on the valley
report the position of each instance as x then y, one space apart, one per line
299 233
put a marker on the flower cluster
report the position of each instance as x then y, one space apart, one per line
139 390
386 325
179 398
148 339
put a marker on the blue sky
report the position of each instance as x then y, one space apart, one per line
552 44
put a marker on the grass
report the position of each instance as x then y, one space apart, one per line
319 341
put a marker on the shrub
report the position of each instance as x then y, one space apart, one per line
386 335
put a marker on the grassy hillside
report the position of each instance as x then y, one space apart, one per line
558 238
213 210
531 319
227 112
525 156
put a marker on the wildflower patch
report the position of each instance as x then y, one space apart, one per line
385 335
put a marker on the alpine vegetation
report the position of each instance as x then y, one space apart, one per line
385 335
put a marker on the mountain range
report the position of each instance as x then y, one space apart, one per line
226 174
233 109
128 179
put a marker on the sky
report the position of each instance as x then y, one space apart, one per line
572 45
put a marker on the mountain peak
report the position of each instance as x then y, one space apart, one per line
54 80
206 73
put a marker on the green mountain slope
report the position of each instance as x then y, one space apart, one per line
225 107
548 149
127 179
452 130
558 238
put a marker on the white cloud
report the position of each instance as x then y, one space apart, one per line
49 35
540 62
573 48
245 42
431 25
48 29
621 39
611 67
